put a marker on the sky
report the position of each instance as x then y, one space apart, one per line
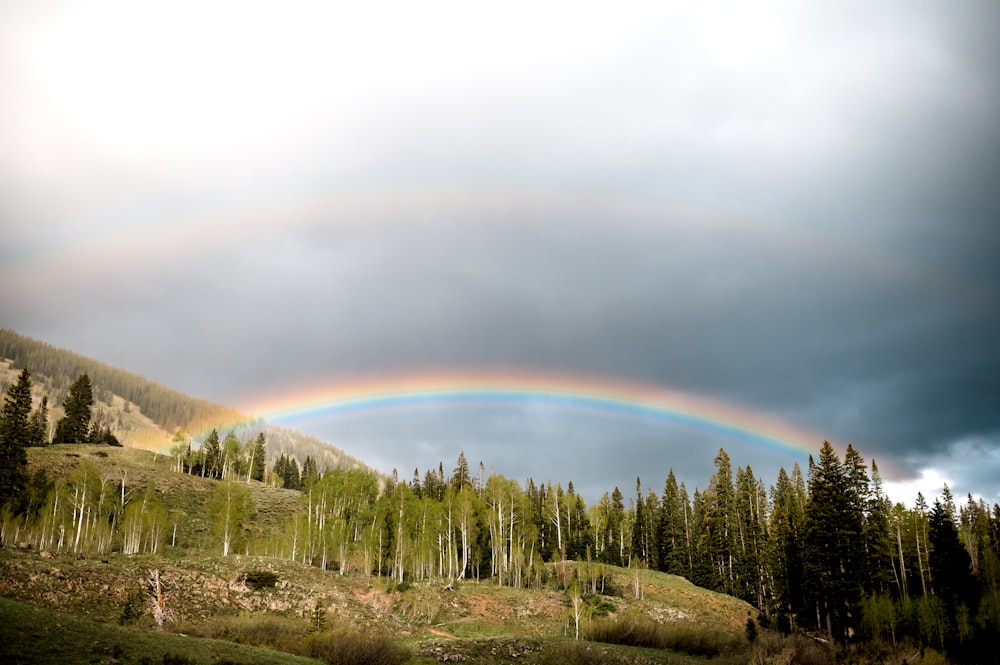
776 222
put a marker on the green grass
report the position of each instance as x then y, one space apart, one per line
30 634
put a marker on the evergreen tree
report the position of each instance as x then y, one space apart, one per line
640 542
719 522
460 476
309 473
15 436
878 540
74 426
670 530
257 456
950 566
40 424
212 449
832 552
287 468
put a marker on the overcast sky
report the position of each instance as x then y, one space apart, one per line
791 208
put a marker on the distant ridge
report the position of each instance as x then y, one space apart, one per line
164 410
169 409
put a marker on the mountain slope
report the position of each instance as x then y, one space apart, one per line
144 414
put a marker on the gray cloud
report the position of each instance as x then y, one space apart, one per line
795 215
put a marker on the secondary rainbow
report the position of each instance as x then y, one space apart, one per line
574 393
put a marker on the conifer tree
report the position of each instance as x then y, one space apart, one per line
950 566
257 454
40 424
15 436
719 512
784 553
460 476
670 530
832 552
877 538
74 426
212 449
309 472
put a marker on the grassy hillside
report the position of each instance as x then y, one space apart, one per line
208 594
30 634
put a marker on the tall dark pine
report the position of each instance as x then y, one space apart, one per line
951 569
670 530
74 427
15 436
460 476
785 556
832 547
259 455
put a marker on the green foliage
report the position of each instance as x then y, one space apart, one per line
74 427
638 631
260 579
231 506
212 456
15 436
132 610
317 622
338 646
168 408
344 646
40 423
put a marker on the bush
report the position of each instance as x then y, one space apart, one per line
349 647
773 647
340 646
260 579
636 631
132 609
260 630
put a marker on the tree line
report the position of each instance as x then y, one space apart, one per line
824 550
168 408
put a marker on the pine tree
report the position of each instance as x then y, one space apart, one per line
670 530
832 552
309 473
40 424
212 449
950 566
878 541
15 436
74 426
257 457
720 508
460 476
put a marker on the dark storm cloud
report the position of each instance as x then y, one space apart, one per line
797 217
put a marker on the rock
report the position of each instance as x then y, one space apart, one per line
45 554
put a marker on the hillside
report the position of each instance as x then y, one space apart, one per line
205 589
144 414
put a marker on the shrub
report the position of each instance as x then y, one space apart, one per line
349 647
260 630
636 631
573 652
132 609
260 579
773 647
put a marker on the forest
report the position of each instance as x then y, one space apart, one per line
823 550
169 408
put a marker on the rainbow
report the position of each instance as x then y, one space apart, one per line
602 396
